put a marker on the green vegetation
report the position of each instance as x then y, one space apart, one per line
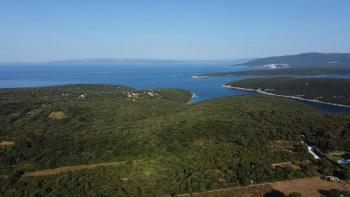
305 64
304 60
167 146
314 71
338 155
322 89
94 127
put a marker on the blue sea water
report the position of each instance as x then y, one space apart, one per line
135 75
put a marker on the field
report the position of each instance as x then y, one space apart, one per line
57 115
310 187
251 191
288 164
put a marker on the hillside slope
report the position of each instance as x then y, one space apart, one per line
323 89
161 144
304 60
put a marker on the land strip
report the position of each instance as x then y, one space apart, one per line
6 143
54 171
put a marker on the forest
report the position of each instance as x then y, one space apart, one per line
164 146
330 90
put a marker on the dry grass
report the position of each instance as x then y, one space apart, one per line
6 143
283 145
57 115
286 165
310 187
252 191
54 171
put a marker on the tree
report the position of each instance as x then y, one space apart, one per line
294 194
274 193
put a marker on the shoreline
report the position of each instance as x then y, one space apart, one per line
194 95
285 96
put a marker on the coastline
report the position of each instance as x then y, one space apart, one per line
194 95
285 96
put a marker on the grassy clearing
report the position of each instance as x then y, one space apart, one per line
57 115
283 145
287 164
311 187
55 171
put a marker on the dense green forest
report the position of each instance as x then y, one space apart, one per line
322 89
164 145
314 71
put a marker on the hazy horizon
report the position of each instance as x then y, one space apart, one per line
164 30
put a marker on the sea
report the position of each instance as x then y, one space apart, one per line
140 76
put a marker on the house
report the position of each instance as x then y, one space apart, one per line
332 178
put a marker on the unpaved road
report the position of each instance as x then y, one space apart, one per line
6 143
59 170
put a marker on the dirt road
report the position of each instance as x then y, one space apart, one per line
59 170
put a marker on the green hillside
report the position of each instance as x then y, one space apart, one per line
285 72
305 64
322 89
163 145
304 60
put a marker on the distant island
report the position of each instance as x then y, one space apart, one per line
112 61
302 60
302 72
332 91
305 64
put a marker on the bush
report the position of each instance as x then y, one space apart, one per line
294 194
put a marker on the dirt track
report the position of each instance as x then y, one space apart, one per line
6 143
55 171
251 191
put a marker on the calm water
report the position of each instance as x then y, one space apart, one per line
134 75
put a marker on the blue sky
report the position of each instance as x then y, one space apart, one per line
170 29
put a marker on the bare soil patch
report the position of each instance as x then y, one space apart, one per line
310 187
6 143
286 165
57 115
283 145
54 171
251 191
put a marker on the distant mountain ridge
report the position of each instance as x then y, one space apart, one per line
134 61
303 60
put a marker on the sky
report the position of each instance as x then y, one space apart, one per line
44 30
